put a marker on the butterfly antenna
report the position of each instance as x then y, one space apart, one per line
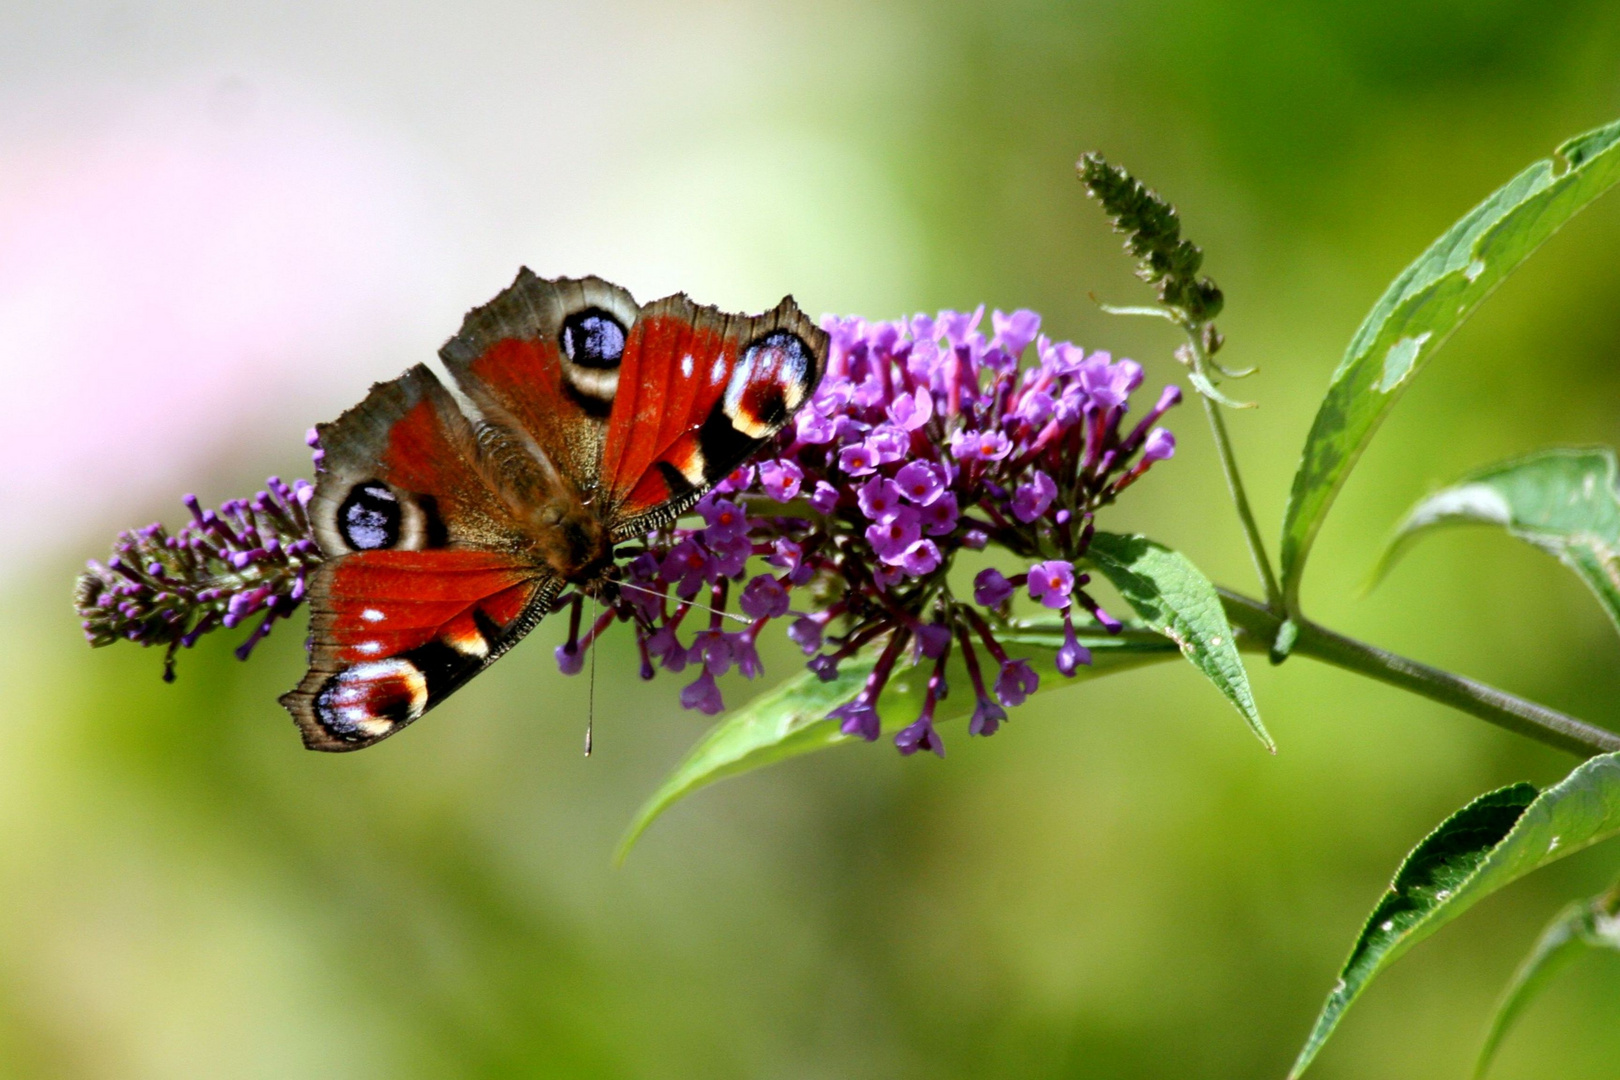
693 603
590 707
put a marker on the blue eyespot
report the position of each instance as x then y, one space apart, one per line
369 518
592 338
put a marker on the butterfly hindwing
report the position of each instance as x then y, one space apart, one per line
393 633
424 584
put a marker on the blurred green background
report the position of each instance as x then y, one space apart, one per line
219 222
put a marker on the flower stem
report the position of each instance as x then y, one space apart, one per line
1240 501
1234 479
1475 698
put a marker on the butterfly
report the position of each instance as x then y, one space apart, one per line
447 534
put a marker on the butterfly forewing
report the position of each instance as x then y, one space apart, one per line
542 359
699 392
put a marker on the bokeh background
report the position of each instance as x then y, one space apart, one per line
219 222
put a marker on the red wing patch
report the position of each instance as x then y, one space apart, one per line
406 471
384 603
393 633
422 455
675 368
525 378
699 392
543 357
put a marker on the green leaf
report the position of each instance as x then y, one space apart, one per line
1174 598
1493 841
1578 929
1419 312
1565 502
792 719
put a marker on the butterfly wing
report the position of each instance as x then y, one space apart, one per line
425 581
698 392
542 359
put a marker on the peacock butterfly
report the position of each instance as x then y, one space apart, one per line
448 535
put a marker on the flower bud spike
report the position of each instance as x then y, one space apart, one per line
163 589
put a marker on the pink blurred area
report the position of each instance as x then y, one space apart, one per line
179 270
217 230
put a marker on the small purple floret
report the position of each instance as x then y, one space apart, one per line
857 460
920 557
667 649
1051 582
920 482
1160 444
1032 499
703 695
806 634
991 588
879 499
919 735
1015 332
858 718
725 519
1016 682
1071 655
824 498
780 479
987 717
911 411
892 537
764 598
570 660
688 567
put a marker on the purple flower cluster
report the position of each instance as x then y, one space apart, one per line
924 438
218 570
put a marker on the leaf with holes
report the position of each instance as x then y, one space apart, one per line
792 719
1173 597
1488 844
1565 502
1419 312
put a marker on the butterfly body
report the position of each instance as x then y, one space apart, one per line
448 533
